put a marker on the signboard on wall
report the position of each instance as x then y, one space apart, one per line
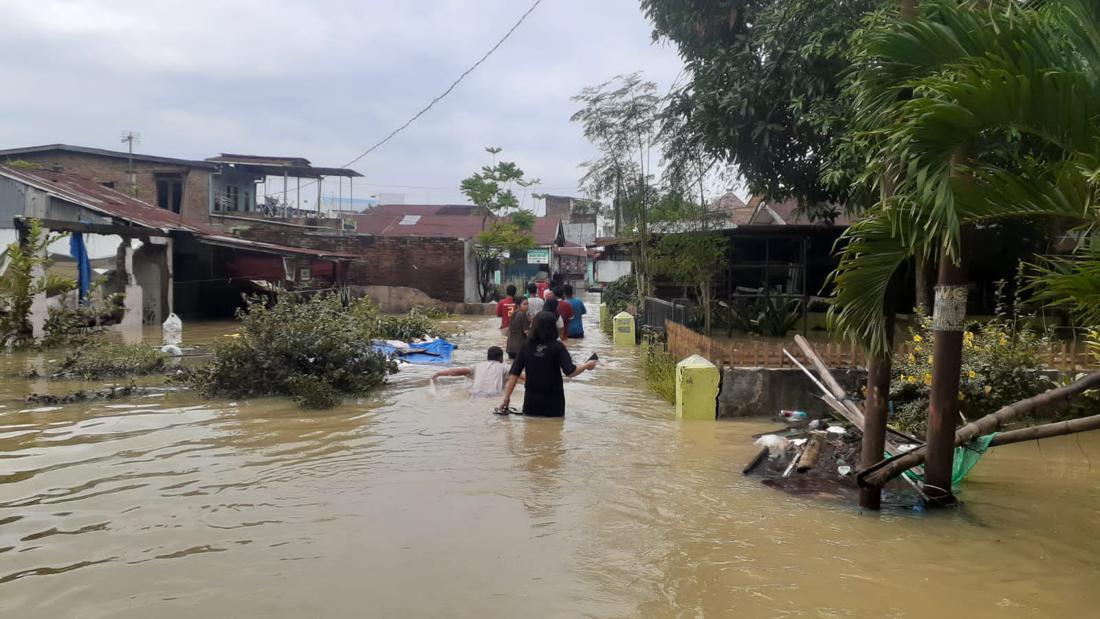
539 255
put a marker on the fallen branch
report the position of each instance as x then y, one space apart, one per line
1058 428
1048 401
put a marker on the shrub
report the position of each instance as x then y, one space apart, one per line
316 351
618 295
1001 364
659 368
417 323
110 359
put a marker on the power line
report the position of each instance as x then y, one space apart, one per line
455 83
446 92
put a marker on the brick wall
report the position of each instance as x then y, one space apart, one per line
558 207
195 204
436 266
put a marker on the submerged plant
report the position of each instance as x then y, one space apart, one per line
112 359
316 351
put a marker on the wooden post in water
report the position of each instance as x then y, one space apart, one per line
875 410
947 328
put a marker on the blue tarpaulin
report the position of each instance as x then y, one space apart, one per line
78 250
435 352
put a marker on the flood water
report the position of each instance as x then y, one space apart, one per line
420 503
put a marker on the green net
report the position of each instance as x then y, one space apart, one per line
966 456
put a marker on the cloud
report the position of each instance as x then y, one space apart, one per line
322 79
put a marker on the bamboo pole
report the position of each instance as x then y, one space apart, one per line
1050 400
1058 428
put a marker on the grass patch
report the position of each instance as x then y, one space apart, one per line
659 368
110 359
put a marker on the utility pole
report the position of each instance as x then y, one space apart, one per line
129 137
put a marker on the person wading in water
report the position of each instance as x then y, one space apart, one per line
545 360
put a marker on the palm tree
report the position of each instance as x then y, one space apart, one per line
972 116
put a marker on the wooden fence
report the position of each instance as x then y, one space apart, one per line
683 342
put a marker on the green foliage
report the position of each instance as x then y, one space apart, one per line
102 358
764 92
619 294
693 259
1072 282
968 117
19 284
659 368
763 315
1001 364
620 118
316 351
505 228
66 326
414 325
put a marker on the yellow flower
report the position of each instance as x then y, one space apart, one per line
962 396
912 358
918 349
912 380
1003 340
928 379
917 338
972 374
987 389
931 359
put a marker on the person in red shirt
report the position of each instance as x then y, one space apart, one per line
505 307
565 312
542 287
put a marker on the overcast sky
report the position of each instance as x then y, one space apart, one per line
323 80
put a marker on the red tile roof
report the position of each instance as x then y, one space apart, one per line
456 221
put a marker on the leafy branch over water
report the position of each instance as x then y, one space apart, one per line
317 351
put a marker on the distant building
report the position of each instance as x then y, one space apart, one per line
192 189
191 268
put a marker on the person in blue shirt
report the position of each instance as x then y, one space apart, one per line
576 325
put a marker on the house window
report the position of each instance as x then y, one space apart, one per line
232 197
169 192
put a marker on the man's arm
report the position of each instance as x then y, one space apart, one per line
452 372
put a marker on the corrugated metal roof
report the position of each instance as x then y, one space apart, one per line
298 167
438 220
95 197
271 248
14 153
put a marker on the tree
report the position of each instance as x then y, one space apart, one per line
764 93
491 189
695 259
975 116
620 118
24 277
510 229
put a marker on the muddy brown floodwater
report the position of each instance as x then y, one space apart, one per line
421 503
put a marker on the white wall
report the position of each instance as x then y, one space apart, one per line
608 271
